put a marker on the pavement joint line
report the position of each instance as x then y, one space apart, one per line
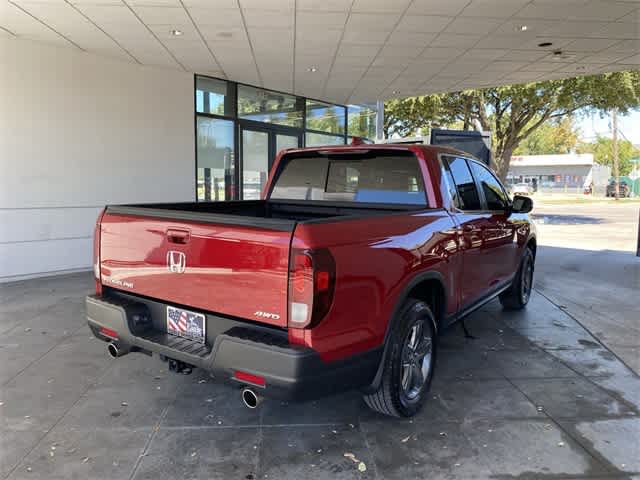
372 456
66 412
152 435
246 426
600 461
35 360
259 441
566 312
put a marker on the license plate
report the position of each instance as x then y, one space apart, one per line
184 323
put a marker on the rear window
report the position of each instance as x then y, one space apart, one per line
366 178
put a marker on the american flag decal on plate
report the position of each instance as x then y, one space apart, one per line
184 323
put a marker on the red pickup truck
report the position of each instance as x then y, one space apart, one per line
340 278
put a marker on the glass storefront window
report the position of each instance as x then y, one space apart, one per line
320 139
362 121
216 159
325 117
213 96
270 107
255 163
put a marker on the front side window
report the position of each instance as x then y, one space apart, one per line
371 178
467 194
493 192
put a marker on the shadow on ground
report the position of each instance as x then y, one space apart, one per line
534 395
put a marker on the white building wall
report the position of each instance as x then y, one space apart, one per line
77 132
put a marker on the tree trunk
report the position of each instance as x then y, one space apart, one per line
501 162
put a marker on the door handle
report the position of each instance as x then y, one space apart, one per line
180 237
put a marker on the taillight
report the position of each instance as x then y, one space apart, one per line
312 276
96 254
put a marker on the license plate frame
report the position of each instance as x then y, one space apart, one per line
186 324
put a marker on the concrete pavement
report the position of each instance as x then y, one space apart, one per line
533 396
587 266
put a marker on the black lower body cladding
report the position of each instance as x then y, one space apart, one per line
290 372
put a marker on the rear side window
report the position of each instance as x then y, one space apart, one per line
467 194
393 178
494 194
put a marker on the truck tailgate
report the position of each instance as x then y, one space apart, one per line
212 264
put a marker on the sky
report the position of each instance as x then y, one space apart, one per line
628 125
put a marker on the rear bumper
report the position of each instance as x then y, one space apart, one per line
290 372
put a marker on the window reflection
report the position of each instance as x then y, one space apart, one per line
215 148
325 117
269 107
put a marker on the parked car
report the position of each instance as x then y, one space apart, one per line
342 277
521 189
623 189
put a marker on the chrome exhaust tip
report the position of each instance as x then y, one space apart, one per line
115 350
250 398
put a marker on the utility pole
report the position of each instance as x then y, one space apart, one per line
616 172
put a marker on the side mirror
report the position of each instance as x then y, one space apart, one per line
521 204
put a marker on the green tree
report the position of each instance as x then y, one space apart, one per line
552 137
513 113
602 149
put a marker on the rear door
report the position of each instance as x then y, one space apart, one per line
235 270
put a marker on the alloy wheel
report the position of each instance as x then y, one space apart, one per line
416 360
527 280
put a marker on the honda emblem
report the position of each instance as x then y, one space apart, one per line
176 261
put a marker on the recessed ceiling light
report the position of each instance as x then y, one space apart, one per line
522 28
312 69
545 44
176 33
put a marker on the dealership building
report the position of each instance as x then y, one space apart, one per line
131 101
568 173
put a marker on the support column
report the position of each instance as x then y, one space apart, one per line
380 121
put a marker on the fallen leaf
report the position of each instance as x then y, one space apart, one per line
362 467
85 459
405 439
350 456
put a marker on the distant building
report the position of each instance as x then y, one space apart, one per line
563 173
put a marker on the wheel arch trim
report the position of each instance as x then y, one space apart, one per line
402 297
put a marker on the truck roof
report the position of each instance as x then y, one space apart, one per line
428 149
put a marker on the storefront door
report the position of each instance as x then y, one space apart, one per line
258 148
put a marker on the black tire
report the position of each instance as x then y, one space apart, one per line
407 375
518 294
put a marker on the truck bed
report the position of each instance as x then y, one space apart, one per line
270 214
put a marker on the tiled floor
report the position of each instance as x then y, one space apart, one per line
532 396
